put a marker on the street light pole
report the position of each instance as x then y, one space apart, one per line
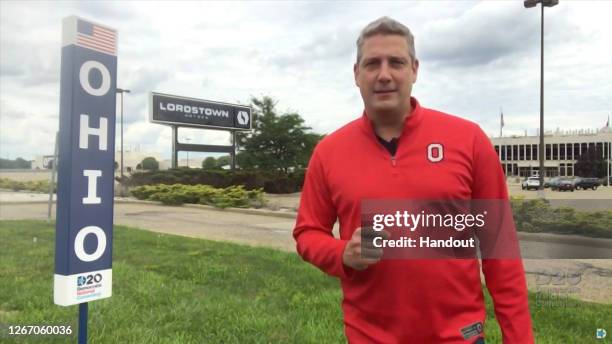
121 186
609 149
542 147
542 150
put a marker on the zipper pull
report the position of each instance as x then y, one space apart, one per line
393 161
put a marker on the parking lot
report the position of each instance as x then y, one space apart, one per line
600 199
586 200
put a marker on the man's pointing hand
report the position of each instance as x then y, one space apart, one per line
359 255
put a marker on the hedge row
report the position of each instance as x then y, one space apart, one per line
233 196
15 185
537 216
270 182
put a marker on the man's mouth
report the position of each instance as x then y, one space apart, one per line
384 91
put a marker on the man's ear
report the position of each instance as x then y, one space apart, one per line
356 73
415 70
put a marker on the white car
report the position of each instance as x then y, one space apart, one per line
531 183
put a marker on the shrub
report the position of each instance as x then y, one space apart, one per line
233 196
209 163
270 182
31 185
537 216
149 163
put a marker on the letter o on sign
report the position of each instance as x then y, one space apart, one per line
435 152
84 78
79 243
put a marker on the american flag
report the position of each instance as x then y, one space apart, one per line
95 37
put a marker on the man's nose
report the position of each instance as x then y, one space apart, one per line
384 75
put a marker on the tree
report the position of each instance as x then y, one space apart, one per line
209 163
22 163
18 163
591 163
150 163
224 160
278 142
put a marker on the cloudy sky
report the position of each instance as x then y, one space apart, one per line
475 58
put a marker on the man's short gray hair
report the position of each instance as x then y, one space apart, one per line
386 26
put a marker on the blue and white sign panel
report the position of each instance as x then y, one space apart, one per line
84 229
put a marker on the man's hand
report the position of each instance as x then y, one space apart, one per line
358 257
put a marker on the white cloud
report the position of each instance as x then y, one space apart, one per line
476 57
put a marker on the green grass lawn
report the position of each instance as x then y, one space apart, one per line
172 289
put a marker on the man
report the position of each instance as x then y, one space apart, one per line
400 150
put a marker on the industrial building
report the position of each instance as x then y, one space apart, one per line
519 154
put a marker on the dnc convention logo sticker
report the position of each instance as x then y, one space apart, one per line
81 281
89 279
601 333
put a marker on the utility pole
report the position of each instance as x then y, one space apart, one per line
542 150
121 184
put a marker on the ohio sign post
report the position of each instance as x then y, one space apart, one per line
84 227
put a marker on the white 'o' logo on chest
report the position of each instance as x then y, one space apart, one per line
435 152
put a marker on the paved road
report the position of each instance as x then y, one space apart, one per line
593 282
254 230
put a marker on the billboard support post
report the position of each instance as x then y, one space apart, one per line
233 151
174 144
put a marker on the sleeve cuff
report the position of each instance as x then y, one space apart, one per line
346 272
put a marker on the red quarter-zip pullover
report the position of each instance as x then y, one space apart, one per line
409 301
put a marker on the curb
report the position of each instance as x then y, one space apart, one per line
569 239
250 211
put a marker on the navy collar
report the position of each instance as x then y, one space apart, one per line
391 146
